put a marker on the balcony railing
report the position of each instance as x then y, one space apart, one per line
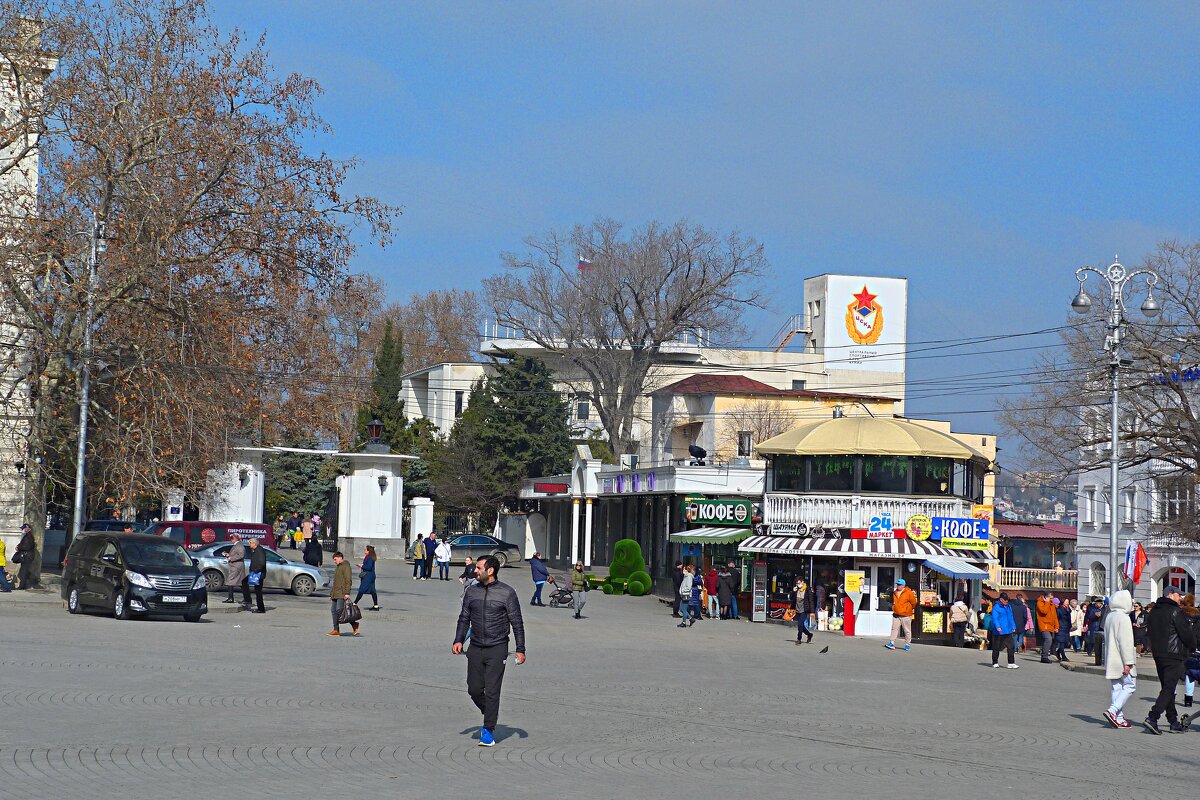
1024 578
855 511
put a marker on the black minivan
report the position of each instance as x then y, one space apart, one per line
131 574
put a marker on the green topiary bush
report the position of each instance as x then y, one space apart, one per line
639 584
607 588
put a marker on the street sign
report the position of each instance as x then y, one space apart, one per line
734 513
962 533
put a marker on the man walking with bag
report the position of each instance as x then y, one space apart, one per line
236 578
489 609
339 594
1172 639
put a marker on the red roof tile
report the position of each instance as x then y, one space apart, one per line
740 384
1029 530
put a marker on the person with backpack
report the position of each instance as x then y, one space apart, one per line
419 559
1020 613
1063 636
314 554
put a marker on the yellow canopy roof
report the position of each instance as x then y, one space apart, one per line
868 436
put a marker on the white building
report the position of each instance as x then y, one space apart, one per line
850 338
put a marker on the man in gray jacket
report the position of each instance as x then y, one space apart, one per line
489 610
235 574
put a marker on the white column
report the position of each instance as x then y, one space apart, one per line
574 530
587 533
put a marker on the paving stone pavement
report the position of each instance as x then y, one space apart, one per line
619 704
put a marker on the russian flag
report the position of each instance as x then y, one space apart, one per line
584 264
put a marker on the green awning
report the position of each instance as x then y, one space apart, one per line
712 535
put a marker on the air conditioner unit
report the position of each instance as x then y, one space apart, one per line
629 461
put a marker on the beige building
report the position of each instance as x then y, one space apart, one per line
18 193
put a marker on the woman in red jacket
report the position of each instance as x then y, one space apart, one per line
710 586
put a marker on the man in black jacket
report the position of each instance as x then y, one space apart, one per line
258 564
1172 640
27 554
676 581
489 609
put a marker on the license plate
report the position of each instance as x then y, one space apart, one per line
168 598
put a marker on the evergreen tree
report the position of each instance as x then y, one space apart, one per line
386 380
297 482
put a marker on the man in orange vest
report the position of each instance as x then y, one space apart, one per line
904 605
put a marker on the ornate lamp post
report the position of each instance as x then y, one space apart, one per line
1117 278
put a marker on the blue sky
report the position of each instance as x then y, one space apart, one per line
981 150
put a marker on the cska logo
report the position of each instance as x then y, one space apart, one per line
864 318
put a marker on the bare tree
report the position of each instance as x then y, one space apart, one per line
638 291
438 326
760 418
223 302
1064 421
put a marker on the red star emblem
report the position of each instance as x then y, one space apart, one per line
865 299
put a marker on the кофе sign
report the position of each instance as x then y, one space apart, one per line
735 513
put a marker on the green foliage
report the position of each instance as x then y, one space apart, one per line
639 583
607 588
600 447
514 427
627 559
386 380
298 481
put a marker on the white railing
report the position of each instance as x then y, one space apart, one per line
855 511
1023 578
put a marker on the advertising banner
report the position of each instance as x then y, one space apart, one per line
866 324
735 513
962 534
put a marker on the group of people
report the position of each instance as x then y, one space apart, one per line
427 552
541 576
297 530
25 556
715 592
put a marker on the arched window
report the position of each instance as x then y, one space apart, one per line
1098 580
1179 577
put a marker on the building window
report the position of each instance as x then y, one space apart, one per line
1106 501
745 443
885 474
1175 498
816 308
1087 503
931 475
1098 587
831 473
798 385
582 411
458 403
1128 503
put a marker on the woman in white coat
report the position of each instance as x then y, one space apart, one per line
1120 657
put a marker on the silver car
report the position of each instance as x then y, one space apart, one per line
292 576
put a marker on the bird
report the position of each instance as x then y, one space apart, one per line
825 649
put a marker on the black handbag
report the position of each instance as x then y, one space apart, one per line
18 557
350 613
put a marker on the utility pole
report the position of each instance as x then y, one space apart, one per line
96 246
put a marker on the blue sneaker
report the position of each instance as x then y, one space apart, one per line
486 739
890 646
907 647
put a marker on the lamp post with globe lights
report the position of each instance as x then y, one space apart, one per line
1117 278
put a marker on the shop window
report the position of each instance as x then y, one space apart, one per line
787 474
831 473
931 476
885 474
745 443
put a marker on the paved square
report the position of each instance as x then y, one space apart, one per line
620 704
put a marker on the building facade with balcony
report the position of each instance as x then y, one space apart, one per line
1156 508
1036 558
879 496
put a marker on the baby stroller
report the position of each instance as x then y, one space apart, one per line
562 595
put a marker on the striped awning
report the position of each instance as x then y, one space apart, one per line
711 535
845 548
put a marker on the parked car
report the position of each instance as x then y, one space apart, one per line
477 545
132 574
114 525
195 534
291 576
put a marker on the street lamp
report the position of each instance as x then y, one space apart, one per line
375 430
1117 278
96 246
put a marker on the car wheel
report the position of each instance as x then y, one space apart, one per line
502 557
192 617
73 601
214 581
303 585
120 606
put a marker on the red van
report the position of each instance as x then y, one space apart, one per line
197 534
